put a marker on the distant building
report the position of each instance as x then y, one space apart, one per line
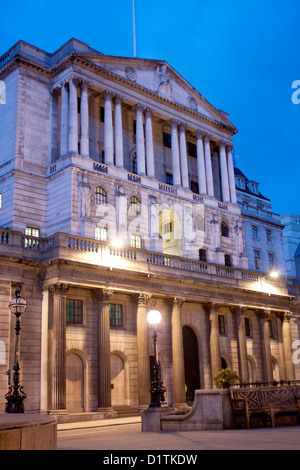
262 227
97 149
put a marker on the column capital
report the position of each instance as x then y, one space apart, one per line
211 307
284 316
182 127
199 134
229 146
238 310
222 143
104 295
84 85
262 314
142 299
139 108
148 111
108 95
74 80
174 123
119 99
60 289
177 302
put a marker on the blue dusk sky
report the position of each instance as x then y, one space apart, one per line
242 56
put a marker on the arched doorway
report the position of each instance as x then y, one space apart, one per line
74 383
191 363
117 380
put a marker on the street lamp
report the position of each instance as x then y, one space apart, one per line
157 389
16 395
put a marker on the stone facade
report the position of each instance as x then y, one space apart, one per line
97 149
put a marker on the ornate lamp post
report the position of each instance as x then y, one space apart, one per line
15 395
157 389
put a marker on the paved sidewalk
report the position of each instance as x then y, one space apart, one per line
127 435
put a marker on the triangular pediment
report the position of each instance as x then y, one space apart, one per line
159 77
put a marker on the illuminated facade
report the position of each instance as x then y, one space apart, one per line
117 195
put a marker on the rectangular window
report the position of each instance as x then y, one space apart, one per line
271 260
116 315
202 254
247 326
192 149
227 259
269 236
102 114
33 232
169 178
194 187
78 104
221 320
101 234
254 231
135 241
74 311
29 242
167 140
256 259
271 329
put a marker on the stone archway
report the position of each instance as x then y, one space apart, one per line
74 383
191 363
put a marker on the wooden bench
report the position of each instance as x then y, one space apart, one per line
264 401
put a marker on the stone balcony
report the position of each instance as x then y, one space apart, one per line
16 245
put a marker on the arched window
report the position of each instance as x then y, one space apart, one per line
224 229
100 196
135 206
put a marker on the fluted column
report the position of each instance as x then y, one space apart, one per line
263 316
214 339
59 292
183 158
143 351
73 116
108 129
119 156
287 345
201 164
231 175
64 119
175 154
208 166
140 141
179 396
224 173
241 342
104 376
84 120
149 144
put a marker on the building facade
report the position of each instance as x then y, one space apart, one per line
117 196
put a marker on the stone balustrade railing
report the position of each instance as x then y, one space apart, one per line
64 246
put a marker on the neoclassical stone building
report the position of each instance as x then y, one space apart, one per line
118 195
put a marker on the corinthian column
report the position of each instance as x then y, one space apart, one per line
108 130
183 158
140 141
208 166
73 117
118 133
263 316
59 292
201 164
175 154
64 117
149 144
287 345
241 341
214 340
179 396
104 376
143 351
231 175
84 120
224 173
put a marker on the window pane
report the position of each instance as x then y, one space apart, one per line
74 311
221 320
115 315
100 196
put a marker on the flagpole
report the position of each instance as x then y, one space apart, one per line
134 32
